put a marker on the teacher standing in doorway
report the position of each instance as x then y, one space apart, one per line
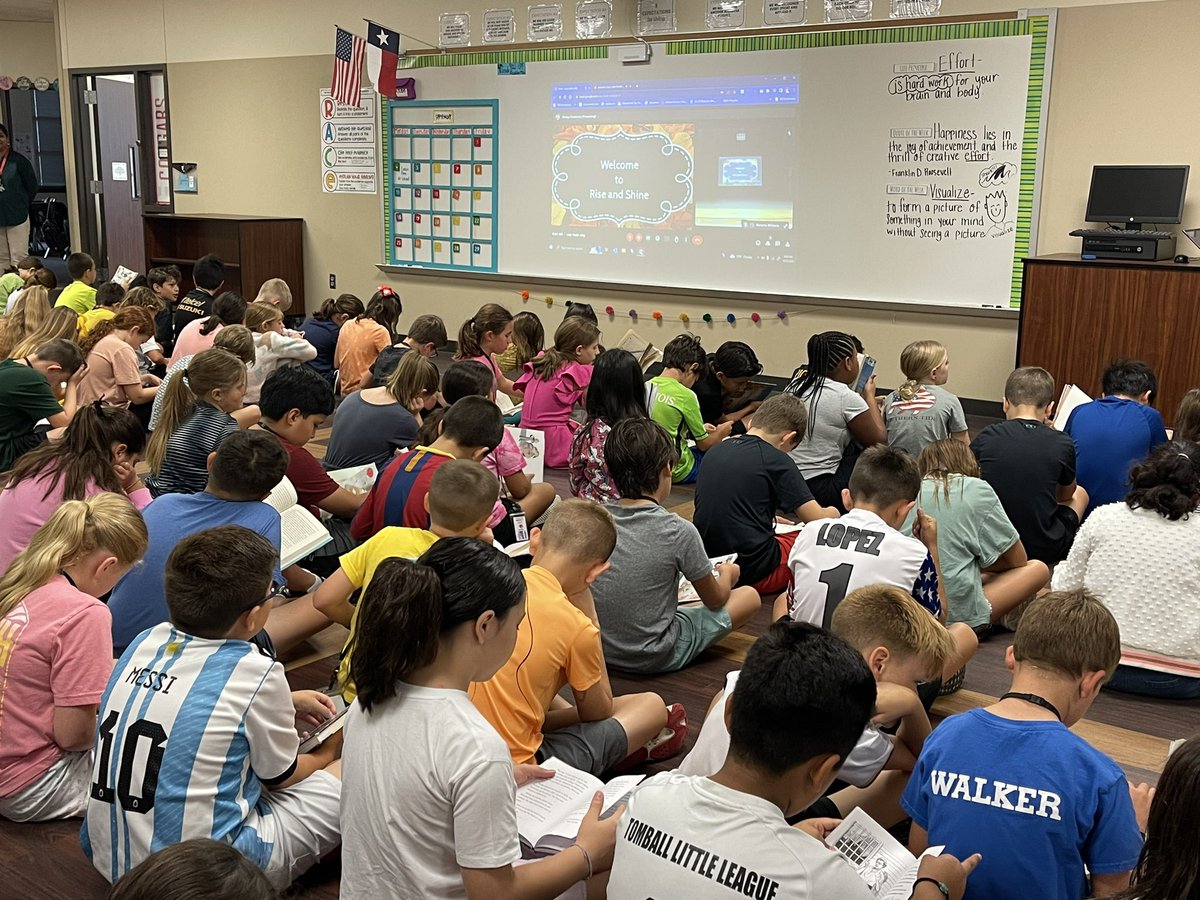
18 187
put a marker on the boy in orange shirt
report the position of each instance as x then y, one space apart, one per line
558 644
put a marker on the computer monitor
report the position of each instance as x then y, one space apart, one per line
1137 194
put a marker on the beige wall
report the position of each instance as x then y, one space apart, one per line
249 120
27 48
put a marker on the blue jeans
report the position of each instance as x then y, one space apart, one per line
1132 680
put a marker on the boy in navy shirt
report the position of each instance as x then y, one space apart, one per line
1114 432
1011 781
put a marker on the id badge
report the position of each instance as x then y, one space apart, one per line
520 528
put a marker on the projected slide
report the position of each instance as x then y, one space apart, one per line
618 174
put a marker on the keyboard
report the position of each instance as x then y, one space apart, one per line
1116 232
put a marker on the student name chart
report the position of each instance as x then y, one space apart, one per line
441 205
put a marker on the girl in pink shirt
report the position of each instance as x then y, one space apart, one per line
56 653
485 335
555 382
198 335
97 454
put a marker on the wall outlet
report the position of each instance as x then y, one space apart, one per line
332 282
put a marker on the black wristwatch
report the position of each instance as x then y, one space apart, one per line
941 887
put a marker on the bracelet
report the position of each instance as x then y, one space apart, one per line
925 878
588 858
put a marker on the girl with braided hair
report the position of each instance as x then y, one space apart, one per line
840 421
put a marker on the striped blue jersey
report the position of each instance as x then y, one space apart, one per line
189 729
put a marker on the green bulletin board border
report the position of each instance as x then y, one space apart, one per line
1038 27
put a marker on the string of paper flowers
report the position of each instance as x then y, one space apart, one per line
25 83
657 316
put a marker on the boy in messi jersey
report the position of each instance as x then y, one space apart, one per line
864 547
196 721
471 429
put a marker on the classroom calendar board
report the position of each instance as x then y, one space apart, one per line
899 163
441 203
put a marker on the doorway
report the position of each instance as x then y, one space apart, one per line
123 162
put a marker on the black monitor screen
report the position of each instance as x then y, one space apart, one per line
1137 194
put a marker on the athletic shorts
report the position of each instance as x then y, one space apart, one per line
303 825
62 793
699 628
780 579
592 746
1056 553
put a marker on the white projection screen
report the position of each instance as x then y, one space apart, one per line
895 164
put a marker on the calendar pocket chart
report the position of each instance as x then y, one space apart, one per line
441 206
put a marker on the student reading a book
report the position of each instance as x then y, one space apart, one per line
803 699
519 495
58 653
528 340
275 347
242 472
112 373
674 406
903 647
1141 558
840 420
196 417
643 626
557 381
1031 467
619 394
558 644
744 481
149 354
361 339
373 424
295 402
163 283
221 723
470 429
60 323
1012 782
97 453
321 329
29 389
485 335
238 340
208 276
460 501
921 411
15 280
724 393
982 561
832 558
426 336
228 309
200 867
108 295
79 296
1114 432
416 750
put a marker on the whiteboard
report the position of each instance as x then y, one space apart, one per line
894 164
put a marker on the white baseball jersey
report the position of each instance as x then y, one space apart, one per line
833 557
189 730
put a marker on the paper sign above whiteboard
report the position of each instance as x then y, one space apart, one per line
655 17
593 19
914 9
725 14
454 29
784 12
499 26
545 22
847 10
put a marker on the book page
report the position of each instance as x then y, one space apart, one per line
1071 398
282 496
788 527
302 533
356 479
532 444
902 888
687 590
878 858
614 793
325 730
542 804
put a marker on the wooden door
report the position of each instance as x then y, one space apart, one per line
120 174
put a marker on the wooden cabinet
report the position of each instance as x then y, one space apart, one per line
253 248
1079 315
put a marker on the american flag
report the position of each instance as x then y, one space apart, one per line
347 67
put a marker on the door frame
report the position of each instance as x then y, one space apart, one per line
85 131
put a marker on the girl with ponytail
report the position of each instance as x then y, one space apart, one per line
921 411
198 335
97 453
321 329
194 419
840 421
56 653
426 630
113 376
274 346
361 339
485 335
555 382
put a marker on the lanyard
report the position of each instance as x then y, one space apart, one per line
4 162
1035 700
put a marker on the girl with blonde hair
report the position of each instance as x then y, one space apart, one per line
555 382
274 346
25 319
59 322
56 638
921 411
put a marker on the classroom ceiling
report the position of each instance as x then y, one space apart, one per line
27 10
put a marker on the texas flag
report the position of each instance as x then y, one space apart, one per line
383 49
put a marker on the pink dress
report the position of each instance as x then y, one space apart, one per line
548 405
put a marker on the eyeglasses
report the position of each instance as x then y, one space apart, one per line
276 590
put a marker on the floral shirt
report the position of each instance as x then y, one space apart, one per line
586 469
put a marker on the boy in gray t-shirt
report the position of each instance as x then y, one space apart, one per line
643 626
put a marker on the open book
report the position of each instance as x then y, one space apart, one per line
356 479
506 404
687 591
1070 398
532 444
788 527
302 532
550 811
325 730
643 351
885 866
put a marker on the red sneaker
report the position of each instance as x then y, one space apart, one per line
664 745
